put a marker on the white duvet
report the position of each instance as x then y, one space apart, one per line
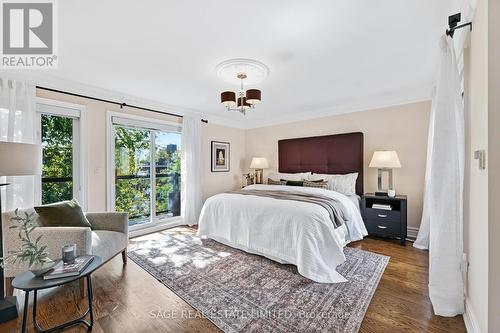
290 232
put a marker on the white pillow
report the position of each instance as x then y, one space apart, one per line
289 176
345 184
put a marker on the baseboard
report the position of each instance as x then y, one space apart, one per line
412 233
174 222
470 320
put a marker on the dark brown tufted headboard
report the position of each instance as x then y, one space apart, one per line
330 154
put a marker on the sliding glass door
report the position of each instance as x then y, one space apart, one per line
133 173
167 174
146 166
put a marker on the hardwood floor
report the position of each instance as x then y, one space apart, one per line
401 301
128 299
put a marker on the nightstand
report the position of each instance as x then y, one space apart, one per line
385 223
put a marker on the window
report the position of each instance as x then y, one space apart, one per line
59 133
57 167
145 169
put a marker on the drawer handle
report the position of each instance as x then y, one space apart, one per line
382 215
381 227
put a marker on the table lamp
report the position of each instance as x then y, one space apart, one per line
16 159
385 161
259 164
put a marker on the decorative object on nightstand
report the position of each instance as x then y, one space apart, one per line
385 161
247 180
259 164
17 159
385 216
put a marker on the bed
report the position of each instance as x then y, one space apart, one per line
289 231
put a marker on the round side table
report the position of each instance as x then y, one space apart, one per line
28 282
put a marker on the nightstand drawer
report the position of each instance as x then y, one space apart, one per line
381 215
383 228
383 222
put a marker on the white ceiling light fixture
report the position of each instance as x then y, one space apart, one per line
253 72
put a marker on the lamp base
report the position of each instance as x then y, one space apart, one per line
381 194
8 309
8 305
259 175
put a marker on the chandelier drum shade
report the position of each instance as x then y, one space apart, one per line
253 96
242 101
243 70
228 98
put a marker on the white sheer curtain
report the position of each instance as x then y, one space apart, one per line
442 221
191 170
441 229
17 124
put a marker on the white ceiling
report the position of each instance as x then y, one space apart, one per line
325 56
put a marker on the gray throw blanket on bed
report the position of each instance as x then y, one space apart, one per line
333 206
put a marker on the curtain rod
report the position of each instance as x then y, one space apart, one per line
453 24
122 105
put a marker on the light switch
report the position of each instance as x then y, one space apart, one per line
480 155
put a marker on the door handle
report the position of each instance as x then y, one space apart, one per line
381 227
382 215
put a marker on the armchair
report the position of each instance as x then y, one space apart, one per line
107 238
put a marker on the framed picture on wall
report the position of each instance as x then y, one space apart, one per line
220 156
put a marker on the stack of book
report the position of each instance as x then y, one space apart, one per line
61 270
382 206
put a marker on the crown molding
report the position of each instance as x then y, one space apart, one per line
415 95
54 82
366 103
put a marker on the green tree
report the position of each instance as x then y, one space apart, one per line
57 142
132 194
130 140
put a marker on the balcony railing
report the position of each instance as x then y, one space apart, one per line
55 189
64 191
170 200
57 179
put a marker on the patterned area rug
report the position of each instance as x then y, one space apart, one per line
241 292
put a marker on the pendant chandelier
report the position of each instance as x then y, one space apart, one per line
242 71
246 99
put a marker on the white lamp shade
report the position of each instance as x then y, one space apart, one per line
385 159
20 159
259 163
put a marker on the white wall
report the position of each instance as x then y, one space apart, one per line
217 182
494 165
476 180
